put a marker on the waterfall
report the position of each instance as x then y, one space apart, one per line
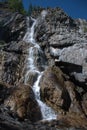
47 112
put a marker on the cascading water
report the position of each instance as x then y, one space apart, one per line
47 112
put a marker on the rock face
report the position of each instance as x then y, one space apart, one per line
12 62
59 92
12 30
63 38
12 25
53 90
63 96
63 85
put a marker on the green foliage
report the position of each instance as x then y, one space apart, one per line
16 5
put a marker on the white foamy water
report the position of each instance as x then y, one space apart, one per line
31 59
47 112
30 31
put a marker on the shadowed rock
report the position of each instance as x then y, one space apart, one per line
5 91
69 67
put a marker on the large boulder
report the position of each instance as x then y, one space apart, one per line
61 94
22 103
75 54
53 90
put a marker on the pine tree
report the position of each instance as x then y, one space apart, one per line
30 9
16 5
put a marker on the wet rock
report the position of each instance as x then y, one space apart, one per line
31 77
22 102
40 59
35 59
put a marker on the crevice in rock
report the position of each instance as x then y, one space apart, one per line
66 100
62 46
79 83
67 67
5 91
79 99
13 51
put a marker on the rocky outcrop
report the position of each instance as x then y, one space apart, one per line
12 25
12 30
12 63
62 38
57 91
22 102
53 90
63 87
63 96
75 54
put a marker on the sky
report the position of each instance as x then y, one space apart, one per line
74 8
